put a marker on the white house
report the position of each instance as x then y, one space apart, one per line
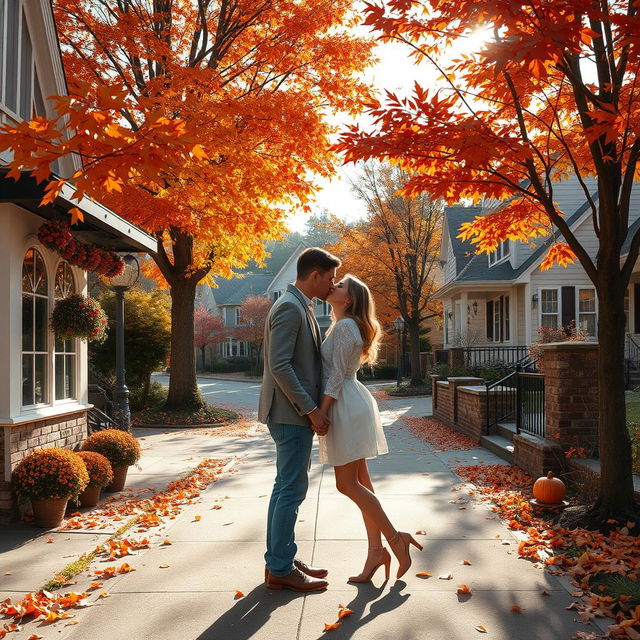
43 383
227 297
502 299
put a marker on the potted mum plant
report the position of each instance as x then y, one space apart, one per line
120 448
78 317
100 475
50 478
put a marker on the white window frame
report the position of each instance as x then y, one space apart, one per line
47 387
74 346
502 253
237 315
593 313
15 114
558 306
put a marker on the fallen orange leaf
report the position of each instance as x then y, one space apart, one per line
463 590
331 627
68 624
239 594
344 612
423 574
421 532
480 628
516 608
34 636
167 542
104 594
95 585
197 518
466 562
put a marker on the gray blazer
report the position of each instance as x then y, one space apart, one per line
292 362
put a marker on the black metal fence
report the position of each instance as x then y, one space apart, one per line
501 399
519 398
478 356
631 362
530 403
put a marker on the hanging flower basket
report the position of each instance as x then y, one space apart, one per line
78 317
56 235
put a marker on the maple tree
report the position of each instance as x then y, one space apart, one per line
552 94
253 317
208 329
395 249
203 122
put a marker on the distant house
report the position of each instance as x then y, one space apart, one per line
503 298
227 297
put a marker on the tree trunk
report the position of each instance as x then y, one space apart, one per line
183 387
414 351
616 476
145 389
202 349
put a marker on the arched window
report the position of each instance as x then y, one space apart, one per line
35 317
65 350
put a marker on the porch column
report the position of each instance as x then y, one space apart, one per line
513 316
527 314
464 320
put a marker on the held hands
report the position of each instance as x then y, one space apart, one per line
319 422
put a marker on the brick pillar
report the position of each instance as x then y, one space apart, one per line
434 390
456 357
456 382
571 394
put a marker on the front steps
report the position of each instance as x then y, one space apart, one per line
500 440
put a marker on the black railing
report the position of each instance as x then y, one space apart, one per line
501 399
98 420
478 356
530 403
631 360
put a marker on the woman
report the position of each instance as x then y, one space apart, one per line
356 432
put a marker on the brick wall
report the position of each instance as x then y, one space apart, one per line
537 456
67 431
571 394
444 409
472 412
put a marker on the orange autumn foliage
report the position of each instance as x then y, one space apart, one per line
552 93
203 122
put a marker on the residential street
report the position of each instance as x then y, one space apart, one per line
187 590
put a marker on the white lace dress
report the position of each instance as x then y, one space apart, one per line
356 430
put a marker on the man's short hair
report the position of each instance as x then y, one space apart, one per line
316 259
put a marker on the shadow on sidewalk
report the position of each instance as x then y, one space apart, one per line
249 614
368 593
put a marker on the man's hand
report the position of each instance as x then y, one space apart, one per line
319 421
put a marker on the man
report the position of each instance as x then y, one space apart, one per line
289 399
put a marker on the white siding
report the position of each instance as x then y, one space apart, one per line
520 333
569 197
449 270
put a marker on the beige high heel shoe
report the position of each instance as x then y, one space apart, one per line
384 558
404 557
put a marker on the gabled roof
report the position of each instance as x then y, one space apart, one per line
455 216
234 291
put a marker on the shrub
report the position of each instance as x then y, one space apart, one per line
98 468
155 396
634 434
119 447
50 473
556 334
231 365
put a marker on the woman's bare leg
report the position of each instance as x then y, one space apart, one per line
374 535
348 483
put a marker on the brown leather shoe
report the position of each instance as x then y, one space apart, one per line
314 572
296 581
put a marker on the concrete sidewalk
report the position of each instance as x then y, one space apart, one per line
194 597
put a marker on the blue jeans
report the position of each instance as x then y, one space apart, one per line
293 460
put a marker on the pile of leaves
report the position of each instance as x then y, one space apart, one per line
438 435
205 415
603 568
243 428
150 510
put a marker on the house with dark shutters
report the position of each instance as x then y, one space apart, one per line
502 299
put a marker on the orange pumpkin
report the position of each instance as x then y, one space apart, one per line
549 490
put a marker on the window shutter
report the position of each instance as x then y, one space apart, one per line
490 320
568 306
501 318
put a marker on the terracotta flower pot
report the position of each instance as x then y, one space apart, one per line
48 512
119 479
89 497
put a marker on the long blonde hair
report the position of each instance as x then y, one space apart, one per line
363 310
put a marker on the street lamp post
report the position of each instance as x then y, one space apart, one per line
120 284
398 325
